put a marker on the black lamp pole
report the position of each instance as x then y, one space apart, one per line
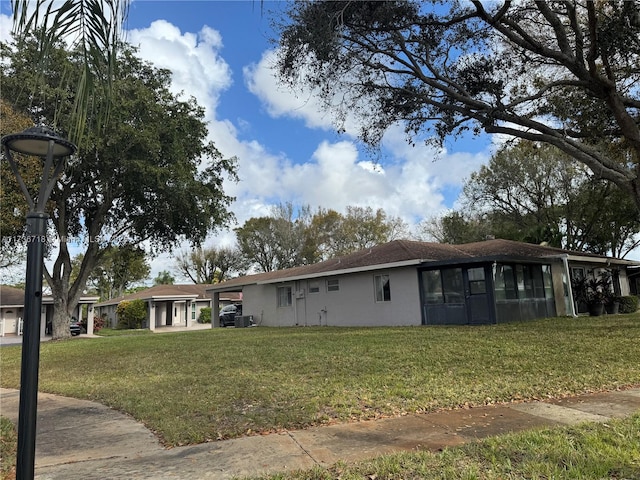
42 142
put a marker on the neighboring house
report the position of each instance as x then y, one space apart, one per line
417 283
12 311
167 305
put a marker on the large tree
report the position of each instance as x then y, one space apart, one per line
12 214
533 193
565 73
211 264
148 174
276 241
117 270
331 234
291 238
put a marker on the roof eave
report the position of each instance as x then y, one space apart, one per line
331 273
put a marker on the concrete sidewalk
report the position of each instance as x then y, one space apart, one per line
78 439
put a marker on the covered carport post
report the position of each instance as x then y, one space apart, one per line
215 310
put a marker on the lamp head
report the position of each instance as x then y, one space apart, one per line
35 141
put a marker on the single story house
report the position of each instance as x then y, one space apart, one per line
417 283
167 305
12 311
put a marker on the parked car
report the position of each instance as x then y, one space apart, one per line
75 327
228 315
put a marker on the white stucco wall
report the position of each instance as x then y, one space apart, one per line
354 304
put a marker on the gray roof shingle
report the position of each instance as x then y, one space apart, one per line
399 251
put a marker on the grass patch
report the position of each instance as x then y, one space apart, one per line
113 332
192 387
588 451
8 447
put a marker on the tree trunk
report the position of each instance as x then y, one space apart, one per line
62 312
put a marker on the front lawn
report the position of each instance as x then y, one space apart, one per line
191 387
588 451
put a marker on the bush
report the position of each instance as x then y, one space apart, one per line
205 315
628 304
99 323
131 314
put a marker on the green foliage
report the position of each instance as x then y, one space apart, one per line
117 268
164 278
455 229
131 314
205 315
628 304
532 192
211 264
95 31
147 174
289 238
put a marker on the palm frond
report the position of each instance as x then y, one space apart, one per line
93 27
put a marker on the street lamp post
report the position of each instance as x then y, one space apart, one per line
42 142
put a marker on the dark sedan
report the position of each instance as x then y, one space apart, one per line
75 328
228 315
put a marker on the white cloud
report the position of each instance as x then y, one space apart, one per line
281 101
6 25
194 59
407 183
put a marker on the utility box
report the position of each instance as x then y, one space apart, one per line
243 321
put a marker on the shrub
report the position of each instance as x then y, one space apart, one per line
205 315
628 304
131 314
100 322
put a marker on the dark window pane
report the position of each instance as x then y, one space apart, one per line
432 286
452 285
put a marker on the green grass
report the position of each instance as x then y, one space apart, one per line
587 451
8 446
192 387
114 332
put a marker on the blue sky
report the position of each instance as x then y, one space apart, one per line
219 52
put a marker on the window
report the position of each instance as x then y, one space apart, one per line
548 281
443 286
284 296
314 286
505 283
531 282
477 284
193 311
383 288
432 285
452 285
333 285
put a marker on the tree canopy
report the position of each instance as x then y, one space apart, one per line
117 269
149 174
564 73
210 264
290 238
533 193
